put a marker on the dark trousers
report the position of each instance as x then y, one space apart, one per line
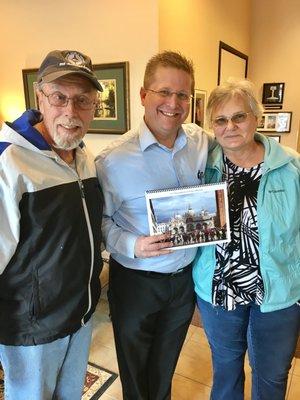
151 314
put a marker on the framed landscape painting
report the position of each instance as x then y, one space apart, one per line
112 115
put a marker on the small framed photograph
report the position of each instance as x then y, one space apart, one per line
275 122
199 107
273 95
261 123
29 83
112 116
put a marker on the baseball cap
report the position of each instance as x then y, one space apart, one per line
59 63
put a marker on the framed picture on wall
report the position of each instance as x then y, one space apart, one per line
112 116
275 122
232 63
275 137
29 83
273 95
199 107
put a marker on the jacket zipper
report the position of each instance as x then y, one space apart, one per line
90 232
81 187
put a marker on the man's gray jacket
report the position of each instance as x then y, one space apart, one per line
50 235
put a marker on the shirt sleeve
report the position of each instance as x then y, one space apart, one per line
9 221
117 239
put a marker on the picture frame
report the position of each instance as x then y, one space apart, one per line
113 114
29 82
275 122
275 137
231 63
199 107
272 96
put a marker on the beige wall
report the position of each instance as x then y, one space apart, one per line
268 31
107 30
275 54
133 30
195 28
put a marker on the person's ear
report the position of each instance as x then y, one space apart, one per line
143 94
39 99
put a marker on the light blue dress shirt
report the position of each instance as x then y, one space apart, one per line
133 164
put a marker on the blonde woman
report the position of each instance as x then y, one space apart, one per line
248 289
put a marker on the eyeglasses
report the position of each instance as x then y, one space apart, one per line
236 118
167 94
81 102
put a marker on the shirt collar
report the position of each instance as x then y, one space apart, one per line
147 138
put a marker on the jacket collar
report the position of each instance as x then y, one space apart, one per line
24 126
275 154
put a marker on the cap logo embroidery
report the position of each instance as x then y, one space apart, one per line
75 58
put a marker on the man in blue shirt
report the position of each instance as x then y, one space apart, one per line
151 291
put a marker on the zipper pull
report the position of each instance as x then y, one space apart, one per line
81 187
200 176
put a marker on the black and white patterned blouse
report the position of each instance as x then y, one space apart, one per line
237 278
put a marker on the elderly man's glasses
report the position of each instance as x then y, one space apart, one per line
167 94
81 102
236 118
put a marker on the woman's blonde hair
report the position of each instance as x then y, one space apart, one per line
234 88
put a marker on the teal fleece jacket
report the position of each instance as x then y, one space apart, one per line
278 215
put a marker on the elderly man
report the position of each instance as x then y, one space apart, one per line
151 289
50 216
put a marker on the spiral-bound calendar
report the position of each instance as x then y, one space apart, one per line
192 215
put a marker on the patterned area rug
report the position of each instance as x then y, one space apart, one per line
97 380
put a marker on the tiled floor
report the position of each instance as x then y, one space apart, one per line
192 380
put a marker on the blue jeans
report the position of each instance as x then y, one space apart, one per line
270 339
51 371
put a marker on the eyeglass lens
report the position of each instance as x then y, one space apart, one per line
81 102
181 96
235 118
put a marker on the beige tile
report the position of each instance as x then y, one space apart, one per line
296 370
115 390
199 337
107 397
289 382
104 357
102 312
190 332
193 347
247 383
103 335
289 385
187 389
195 363
294 390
